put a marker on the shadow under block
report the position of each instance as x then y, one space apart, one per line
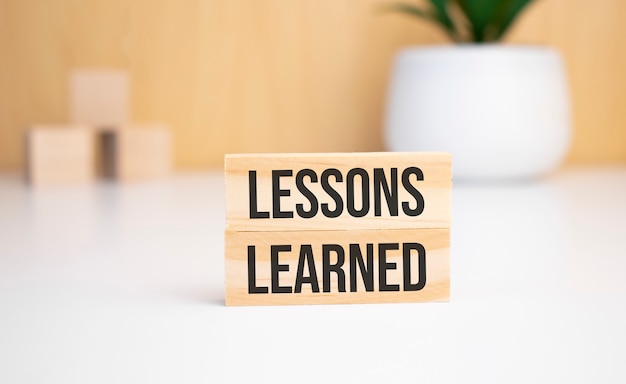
59 155
99 98
136 153
337 228
388 260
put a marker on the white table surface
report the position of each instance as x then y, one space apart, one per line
124 284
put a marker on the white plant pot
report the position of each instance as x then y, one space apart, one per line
502 111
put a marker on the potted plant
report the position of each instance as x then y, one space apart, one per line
501 110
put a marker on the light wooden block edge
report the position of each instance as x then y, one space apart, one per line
438 188
435 241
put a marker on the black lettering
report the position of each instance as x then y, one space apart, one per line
307 193
365 192
254 214
276 267
367 272
383 266
391 193
327 267
252 288
277 193
306 253
332 193
421 257
419 199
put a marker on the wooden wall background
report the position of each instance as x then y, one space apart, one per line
276 75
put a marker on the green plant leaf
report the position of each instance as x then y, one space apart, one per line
487 20
443 16
437 14
507 14
480 14
411 10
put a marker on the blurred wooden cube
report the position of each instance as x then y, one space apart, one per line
99 98
58 154
136 152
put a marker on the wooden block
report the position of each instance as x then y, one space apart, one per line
137 152
335 267
338 191
337 228
99 98
59 155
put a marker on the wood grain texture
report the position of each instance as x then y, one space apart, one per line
275 75
435 189
436 243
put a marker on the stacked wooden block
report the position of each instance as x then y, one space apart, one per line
337 228
99 140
